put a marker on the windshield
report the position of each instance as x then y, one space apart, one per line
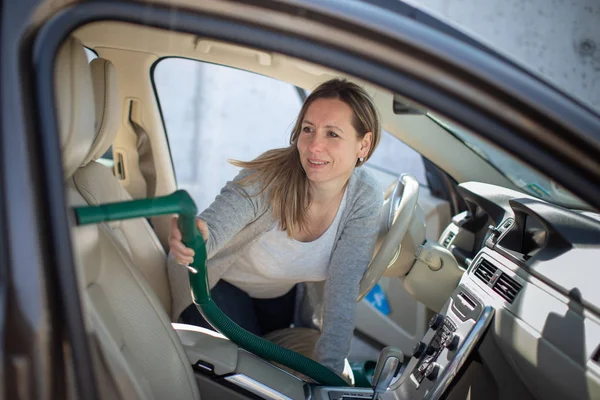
521 175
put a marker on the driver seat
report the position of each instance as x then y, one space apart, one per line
138 345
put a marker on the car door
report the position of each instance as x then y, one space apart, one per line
504 103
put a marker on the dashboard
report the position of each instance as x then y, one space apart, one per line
539 240
527 308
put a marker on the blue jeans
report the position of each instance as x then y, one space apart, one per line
258 316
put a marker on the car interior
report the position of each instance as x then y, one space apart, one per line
490 286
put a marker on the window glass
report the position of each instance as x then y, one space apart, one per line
394 158
214 113
91 54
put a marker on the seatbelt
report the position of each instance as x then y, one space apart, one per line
145 155
146 158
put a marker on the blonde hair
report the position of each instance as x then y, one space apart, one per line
280 170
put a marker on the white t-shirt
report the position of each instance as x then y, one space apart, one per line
274 263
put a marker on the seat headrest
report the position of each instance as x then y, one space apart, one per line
108 109
75 104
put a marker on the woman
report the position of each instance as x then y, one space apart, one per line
304 213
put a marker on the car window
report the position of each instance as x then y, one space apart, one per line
214 113
91 54
394 158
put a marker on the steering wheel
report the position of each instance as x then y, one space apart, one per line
402 205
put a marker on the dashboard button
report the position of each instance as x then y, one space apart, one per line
419 349
436 321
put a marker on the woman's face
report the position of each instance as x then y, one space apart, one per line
328 143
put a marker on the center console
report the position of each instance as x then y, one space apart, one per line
438 357
435 362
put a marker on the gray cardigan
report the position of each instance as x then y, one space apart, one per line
237 218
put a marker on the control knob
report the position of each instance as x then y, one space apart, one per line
432 371
436 321
451 341
419 349
430 350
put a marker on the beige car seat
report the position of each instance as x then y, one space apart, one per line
122 312
96 184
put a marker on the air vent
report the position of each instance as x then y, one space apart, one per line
506 287
485 271
448 239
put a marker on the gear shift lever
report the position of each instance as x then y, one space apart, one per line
388 366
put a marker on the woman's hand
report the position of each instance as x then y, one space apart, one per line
184 255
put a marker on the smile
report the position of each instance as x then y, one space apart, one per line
315 162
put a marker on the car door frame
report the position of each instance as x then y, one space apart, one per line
44 340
